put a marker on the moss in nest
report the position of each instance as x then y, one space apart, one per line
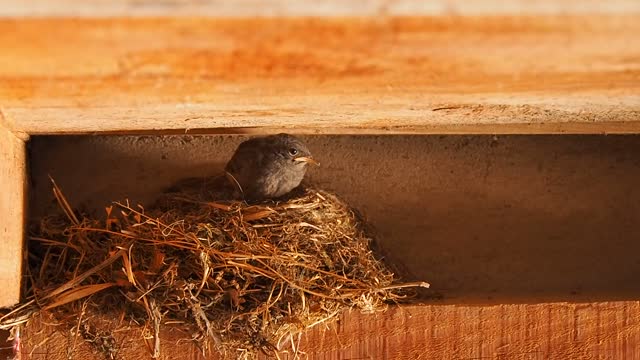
239 278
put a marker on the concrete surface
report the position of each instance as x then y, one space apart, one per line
482 218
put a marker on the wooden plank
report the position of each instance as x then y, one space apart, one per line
607 330
298 8
12 214
544 74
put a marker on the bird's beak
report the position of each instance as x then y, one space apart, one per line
307 159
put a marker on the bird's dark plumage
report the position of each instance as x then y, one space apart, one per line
261 168
269 167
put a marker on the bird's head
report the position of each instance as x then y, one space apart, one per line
289 148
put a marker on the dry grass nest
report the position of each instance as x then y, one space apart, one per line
238 278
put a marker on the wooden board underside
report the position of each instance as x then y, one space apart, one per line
12 214
553 74
607 330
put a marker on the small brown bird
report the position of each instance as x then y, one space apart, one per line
269 167
261 168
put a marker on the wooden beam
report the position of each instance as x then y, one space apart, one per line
12 214
544 74
520 331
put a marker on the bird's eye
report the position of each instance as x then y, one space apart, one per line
293 151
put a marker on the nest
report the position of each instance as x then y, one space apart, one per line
239 278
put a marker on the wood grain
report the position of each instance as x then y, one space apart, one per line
545 74
606 330
12 214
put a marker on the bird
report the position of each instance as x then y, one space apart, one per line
269 167
261 168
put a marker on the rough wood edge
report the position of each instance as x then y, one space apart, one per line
600 128
536 331
13 202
